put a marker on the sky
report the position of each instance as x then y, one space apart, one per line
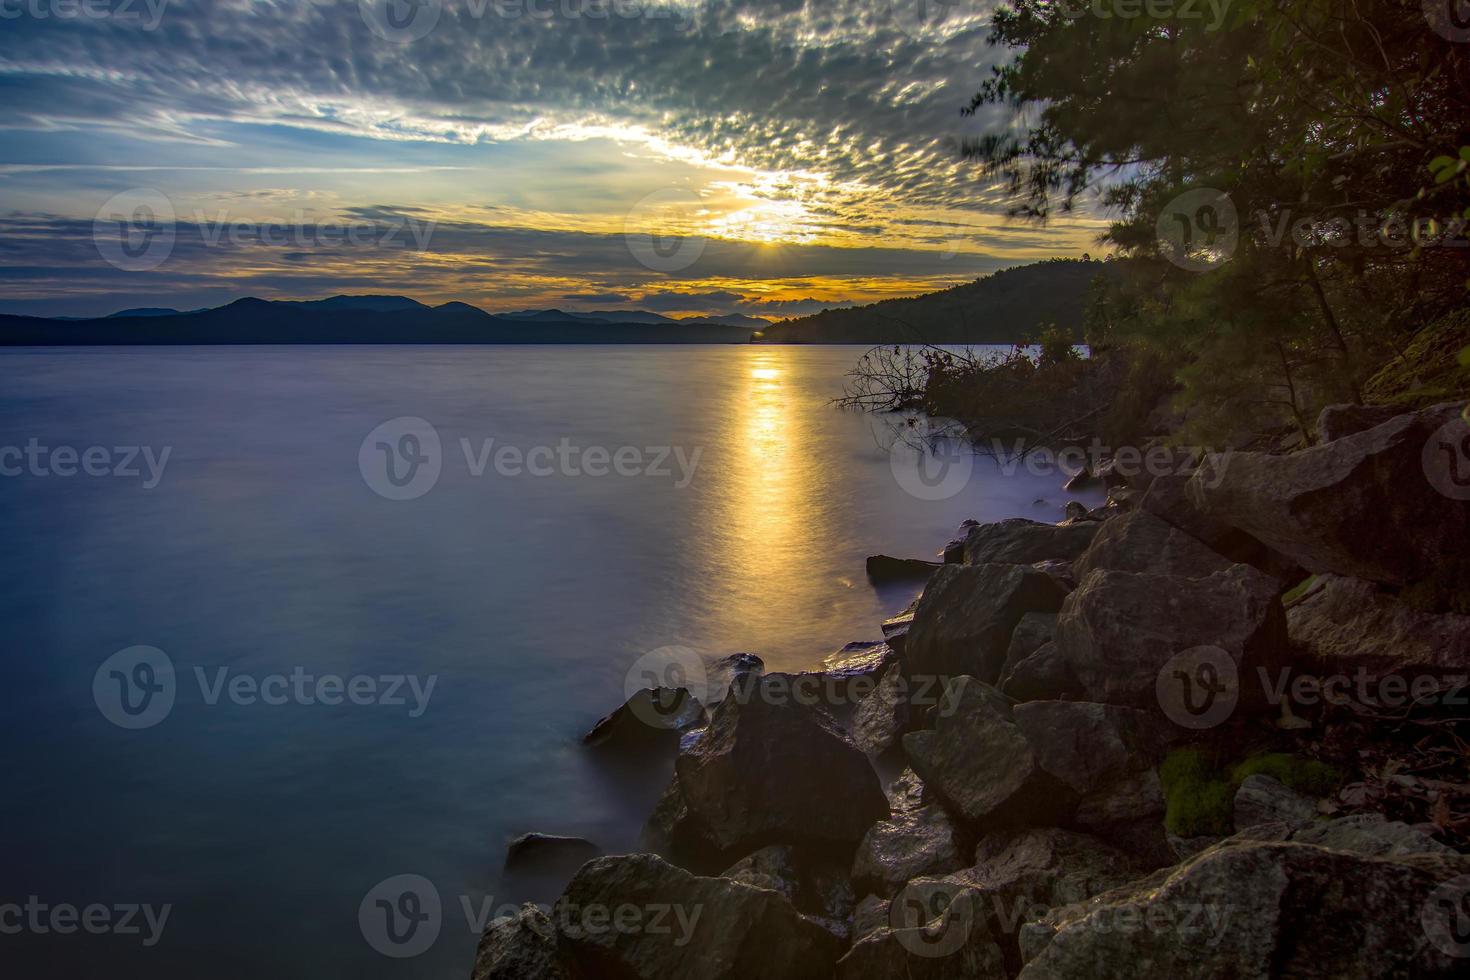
766 157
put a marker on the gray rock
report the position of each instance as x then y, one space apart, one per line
815 883
1142 542
520 947
980 762
881 718
646 718
1365 505
1043 676
1346 624
896 628
1167 498
1022 874
923 953
917 839
769 769
870 915
1256 909
728 673
712 928
964 620
1371 834
549 853
1338 421
882 569
1024 542
1261 799
1032 631
1119 629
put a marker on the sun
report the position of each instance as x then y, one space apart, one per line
766 223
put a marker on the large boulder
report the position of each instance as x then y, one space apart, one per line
649 717
979 761
964 620
1346 625
1040 676
769 769
1260 909
1141 542
1373 505
638 916
1107 755
1168 499
1120 629
816 884
881 718
1032 632
1261 799
918 838
1372 834
1019 541
520 947
883 569
1338 421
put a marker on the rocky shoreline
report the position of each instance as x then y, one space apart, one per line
1214 728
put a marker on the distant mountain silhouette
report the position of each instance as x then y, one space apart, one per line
1002 308
140 311
730 320
353 320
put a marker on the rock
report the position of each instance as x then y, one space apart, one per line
1337 421
1346 625
1060 572
882 568
1141 542
1043 676
814 883
917 839
729 672
980 762
549 854
711 928
520 947
861 658
1032 632
1371 834
648 717
769 769
1024 542
1167 498
1083 479
1077 512
1365 505
882 717
1107 756
1089 746
964 619
1261 799
896 628
870 915
1257 909
954 551
924 953
1119 629
1023 873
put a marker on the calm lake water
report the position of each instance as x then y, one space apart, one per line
265 551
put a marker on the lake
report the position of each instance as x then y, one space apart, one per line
307 563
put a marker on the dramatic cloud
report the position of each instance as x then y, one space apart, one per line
536 134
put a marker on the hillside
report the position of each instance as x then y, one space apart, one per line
1002 308
352 320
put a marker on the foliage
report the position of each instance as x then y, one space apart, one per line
1430 369
1332 131
1197 801
1307 776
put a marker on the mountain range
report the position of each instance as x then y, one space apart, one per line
370 320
